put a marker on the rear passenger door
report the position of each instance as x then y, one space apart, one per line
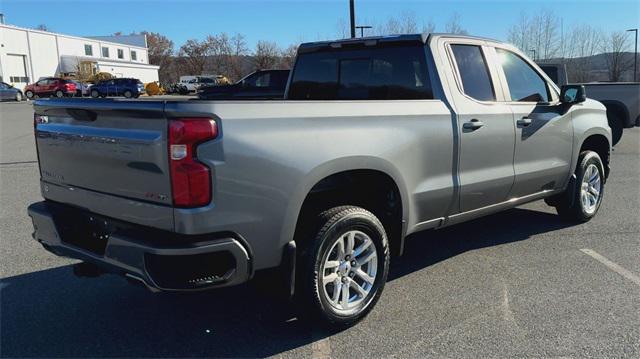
544 132
485 128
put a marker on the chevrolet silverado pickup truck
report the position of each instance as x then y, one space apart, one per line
376 139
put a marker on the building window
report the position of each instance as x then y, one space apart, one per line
88 50
134 56
120 53
18 79
105 52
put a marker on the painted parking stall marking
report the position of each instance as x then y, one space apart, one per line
612 265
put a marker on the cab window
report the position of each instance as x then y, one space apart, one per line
525 83
388 73
474 73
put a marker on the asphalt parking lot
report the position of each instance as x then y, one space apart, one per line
521 283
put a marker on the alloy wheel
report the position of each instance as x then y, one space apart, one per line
591 188
348 271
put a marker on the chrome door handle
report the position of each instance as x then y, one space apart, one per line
472 125
524 122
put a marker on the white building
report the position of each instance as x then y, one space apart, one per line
27 55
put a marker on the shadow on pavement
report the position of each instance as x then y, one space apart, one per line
53 314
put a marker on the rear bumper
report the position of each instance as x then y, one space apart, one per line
163 261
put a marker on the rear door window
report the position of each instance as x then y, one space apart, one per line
386 73
474 73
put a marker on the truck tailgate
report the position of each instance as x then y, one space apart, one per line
115 148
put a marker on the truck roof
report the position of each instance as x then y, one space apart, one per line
381 41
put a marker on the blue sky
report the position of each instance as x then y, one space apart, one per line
287 22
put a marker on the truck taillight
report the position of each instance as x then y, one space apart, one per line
190 179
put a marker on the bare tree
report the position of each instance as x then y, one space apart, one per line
548 34
429 27
194 55
343 30
584 41
538 34
238 51
519 35
266 55
405 23
160 52
288 57
454 25
43 27
614 48
226 54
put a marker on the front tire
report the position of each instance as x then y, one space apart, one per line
29 94
128 94
345 268
581 201
95 94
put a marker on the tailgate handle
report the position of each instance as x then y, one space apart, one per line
82 115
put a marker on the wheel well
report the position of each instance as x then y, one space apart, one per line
600 145
372 190
616 111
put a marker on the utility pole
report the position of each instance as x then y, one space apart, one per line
352 15
362 29
635 57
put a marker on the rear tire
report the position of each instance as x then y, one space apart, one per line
29 94
59 94
581 201
344 270
18 97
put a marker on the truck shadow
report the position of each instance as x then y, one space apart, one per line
51 313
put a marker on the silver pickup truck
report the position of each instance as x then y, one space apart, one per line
377 138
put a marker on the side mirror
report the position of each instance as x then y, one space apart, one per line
572 94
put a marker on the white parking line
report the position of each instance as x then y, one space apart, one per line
612 265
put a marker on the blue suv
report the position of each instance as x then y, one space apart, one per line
118 87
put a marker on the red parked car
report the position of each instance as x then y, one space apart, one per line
50 86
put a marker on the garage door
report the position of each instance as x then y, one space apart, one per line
15 70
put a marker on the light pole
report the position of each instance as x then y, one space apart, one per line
635 56
352 17
362 29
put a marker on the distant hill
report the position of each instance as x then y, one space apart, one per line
596 67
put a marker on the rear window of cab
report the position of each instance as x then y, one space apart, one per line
386 73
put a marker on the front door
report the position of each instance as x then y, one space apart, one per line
112 89
544 132
41 87
486 131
